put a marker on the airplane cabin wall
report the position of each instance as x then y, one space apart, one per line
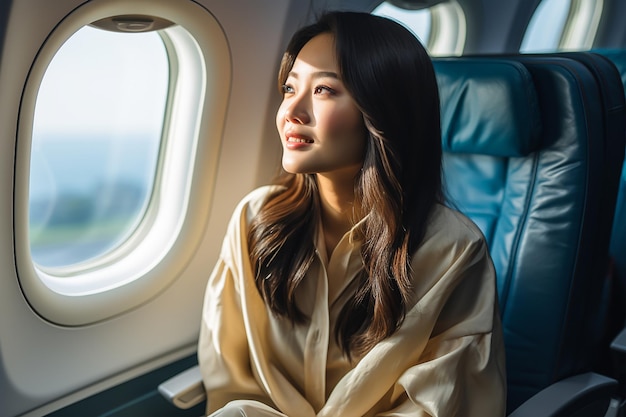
497 26
612 30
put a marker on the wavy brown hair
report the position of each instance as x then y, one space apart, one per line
391 78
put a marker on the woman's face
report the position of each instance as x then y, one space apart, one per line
321 129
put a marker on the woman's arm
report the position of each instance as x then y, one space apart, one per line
223 348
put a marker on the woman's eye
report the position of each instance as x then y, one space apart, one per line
322 89
287 89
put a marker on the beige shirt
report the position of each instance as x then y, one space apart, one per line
447 358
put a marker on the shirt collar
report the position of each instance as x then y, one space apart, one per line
356 233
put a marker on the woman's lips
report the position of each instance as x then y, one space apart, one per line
297 141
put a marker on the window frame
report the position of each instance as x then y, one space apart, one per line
451 41
177 212
581 21
581 25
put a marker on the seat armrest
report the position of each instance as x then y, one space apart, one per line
184 390
580 395
619 343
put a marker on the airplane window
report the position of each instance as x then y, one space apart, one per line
110 203
96 132
417 21
545 28
562 25
440 28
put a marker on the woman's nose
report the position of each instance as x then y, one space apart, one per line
296 111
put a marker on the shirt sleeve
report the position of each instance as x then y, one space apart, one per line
461 370
223 348
237 358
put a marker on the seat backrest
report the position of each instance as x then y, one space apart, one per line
618 238
613 97
618 57
610 73
522 159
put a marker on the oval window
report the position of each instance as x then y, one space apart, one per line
121 101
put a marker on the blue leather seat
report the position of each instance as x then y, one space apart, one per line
523 158
618 238
618 245
618 57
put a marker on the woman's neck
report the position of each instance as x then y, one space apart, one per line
337 208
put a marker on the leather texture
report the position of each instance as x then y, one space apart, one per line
487 102
611 318
618 57
618 238
538 200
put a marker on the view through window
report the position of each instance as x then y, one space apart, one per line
96 134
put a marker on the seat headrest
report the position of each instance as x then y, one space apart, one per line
488 106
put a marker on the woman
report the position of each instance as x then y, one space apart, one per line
348 288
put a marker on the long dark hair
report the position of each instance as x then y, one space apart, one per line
391 78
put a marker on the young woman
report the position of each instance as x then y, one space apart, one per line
348 288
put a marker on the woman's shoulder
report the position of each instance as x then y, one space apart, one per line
255 198
452 244
248 207
451 225
251 203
